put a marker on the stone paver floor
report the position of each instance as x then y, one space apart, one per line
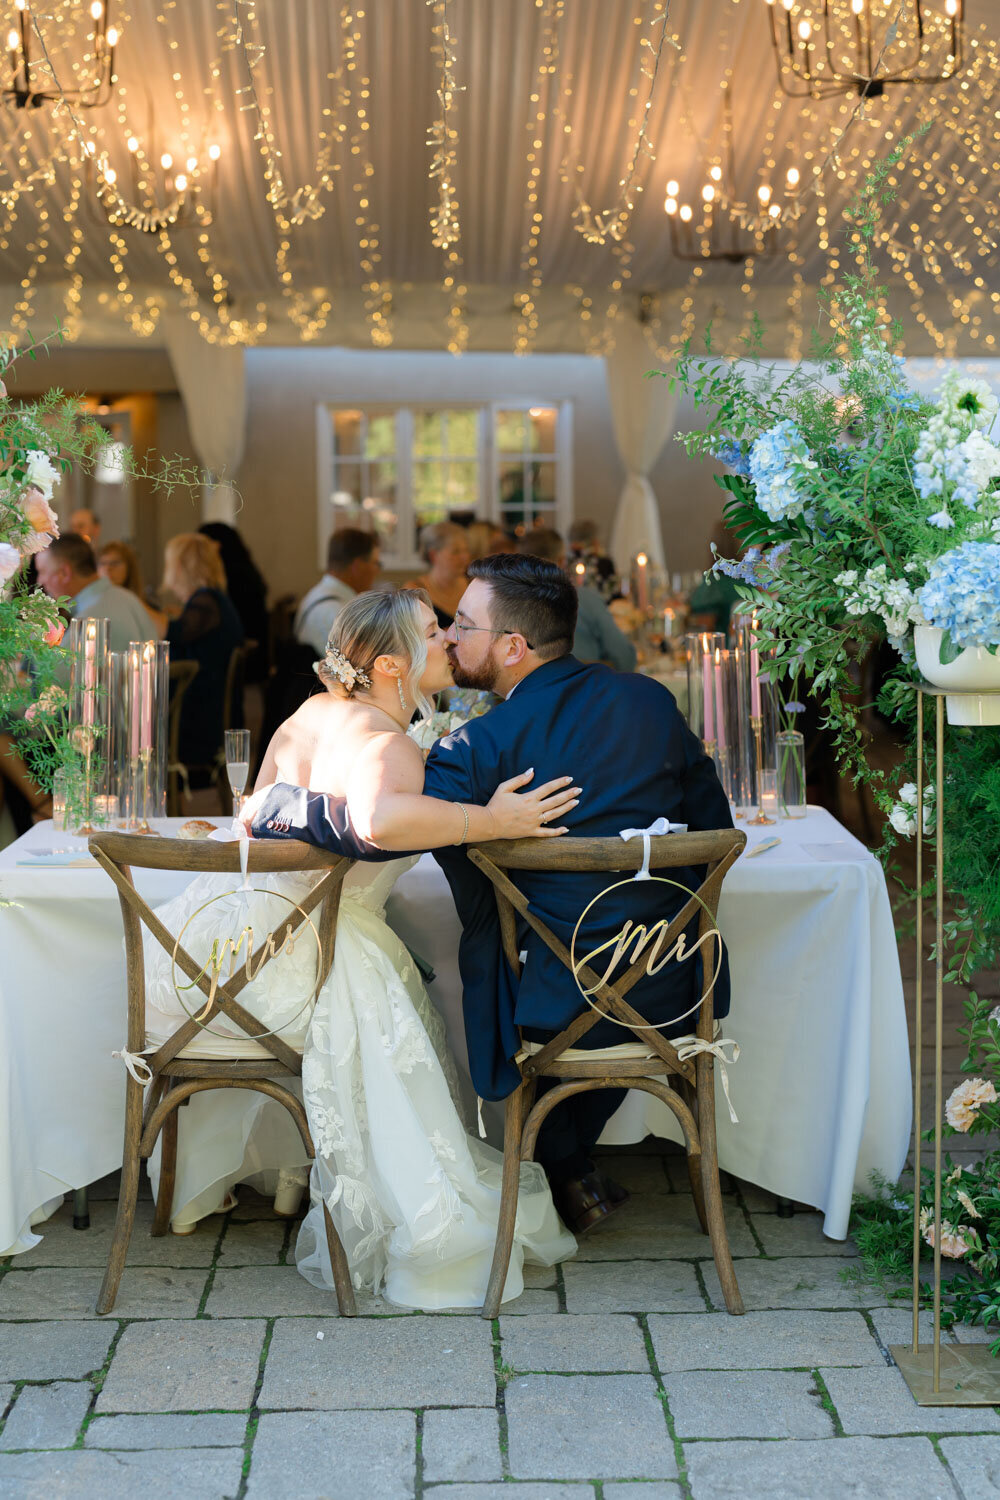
221 1373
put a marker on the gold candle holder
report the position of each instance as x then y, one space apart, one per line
757 725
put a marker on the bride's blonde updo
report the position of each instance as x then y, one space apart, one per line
379 623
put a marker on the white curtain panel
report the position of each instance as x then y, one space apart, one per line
212 382
643 414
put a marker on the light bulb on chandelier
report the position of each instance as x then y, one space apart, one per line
861 46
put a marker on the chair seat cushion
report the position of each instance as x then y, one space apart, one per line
624 1052
209 1046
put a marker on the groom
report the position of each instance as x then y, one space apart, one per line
624 741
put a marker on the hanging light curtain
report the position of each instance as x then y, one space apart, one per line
212 383
643 414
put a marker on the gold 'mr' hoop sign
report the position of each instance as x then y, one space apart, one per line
217 958
638 936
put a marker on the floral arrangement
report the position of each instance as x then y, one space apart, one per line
41 441
866 510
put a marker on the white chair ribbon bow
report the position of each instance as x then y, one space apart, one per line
662 825
134 1061
690 1046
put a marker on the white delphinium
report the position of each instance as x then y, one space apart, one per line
877 592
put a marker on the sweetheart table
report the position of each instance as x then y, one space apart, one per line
822 1086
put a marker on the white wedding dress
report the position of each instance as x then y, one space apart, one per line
414 1196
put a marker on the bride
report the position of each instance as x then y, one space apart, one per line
414 1196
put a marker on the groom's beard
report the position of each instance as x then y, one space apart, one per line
483 677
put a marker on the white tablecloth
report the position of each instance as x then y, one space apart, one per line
822 1088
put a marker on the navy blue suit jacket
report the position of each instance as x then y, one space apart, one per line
624 740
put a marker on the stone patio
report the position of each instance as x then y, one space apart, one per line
223 1374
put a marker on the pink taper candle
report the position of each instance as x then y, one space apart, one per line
134 679
89 673
720 722
148 663
642 580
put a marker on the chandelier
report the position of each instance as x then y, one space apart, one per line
723 226
837 46
160 194
98 63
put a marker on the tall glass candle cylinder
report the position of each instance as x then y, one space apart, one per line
699 652
89 702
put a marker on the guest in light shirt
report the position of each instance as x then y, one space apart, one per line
352 566
68 568
597 636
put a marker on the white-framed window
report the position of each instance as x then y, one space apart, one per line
395 469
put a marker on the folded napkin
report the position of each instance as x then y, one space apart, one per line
236 831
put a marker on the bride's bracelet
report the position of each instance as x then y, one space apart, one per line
465 830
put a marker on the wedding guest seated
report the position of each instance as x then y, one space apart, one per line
445 549
247 593
352 566
207 631
68 568
85 523
585 546
597 637
485 539
118 563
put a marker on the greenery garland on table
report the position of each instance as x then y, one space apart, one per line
40 441
864 510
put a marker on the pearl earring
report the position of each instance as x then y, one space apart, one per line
402 697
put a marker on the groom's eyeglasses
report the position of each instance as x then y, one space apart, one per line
461 628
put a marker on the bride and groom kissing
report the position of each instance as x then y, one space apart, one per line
415 1197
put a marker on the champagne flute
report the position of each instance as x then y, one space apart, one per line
237 764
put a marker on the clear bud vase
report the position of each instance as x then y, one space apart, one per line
790 756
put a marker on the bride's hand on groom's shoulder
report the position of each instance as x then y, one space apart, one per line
519 814
253 804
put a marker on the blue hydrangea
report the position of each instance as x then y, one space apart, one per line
776 460
730 453
962 594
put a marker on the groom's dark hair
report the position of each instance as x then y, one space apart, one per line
531 596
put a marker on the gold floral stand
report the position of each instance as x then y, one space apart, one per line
958 1374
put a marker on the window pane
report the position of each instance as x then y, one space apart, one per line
512 496
510 431
346 484
346 432
542 429
427 434
462 434
543 483
463 486
381 439
428 493
379 502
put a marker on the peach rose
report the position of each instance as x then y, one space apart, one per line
55 633
954 1245
35 541
39 512
965 1102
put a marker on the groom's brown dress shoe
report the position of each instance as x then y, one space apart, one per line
588 1201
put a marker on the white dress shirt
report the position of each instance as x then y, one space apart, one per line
319 608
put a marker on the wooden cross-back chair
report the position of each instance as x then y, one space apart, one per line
685 1085
173 1077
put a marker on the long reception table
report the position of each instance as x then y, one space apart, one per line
822 1086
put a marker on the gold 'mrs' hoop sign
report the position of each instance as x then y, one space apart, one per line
230 949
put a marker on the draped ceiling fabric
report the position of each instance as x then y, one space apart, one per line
212 383
642 411
170 49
